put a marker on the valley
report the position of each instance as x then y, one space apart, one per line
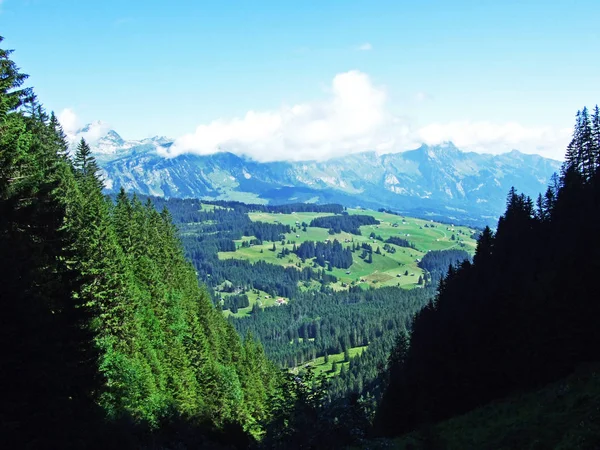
326 273
263 267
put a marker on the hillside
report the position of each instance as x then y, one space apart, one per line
562 416
389 267
437 181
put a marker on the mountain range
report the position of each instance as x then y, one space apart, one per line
438 181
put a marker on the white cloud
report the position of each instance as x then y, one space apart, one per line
69 121
353 119
365 47
490 137
72 127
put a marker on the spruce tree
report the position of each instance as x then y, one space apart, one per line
595 123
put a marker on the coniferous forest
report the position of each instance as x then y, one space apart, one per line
104 323
110 341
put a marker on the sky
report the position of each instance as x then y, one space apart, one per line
314 79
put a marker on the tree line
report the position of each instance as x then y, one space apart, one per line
436 262
400 242
349 223
288 208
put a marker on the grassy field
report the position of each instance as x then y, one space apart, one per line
327 367
562 415
386 269
262 298
206 207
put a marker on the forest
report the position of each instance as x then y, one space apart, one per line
329 252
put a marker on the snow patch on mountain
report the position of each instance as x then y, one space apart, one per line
391 179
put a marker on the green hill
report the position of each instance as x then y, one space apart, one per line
388 268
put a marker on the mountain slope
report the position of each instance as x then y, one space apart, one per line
562 415
439 180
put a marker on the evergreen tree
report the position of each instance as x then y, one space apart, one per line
347 354
587 145
596 137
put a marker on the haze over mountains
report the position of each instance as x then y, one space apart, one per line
437 180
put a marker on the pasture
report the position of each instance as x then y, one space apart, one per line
398 267
322 367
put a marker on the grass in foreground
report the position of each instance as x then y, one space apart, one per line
563 415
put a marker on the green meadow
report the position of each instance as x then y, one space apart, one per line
263 299
386 269
322 367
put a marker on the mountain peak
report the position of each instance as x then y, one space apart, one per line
446 147
443 150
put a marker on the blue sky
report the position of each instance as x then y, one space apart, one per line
492 75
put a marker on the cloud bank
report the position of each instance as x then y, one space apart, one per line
487 137
354 118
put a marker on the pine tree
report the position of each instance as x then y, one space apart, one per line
596 137
85 165
587 146
485 247
346 354
573 157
